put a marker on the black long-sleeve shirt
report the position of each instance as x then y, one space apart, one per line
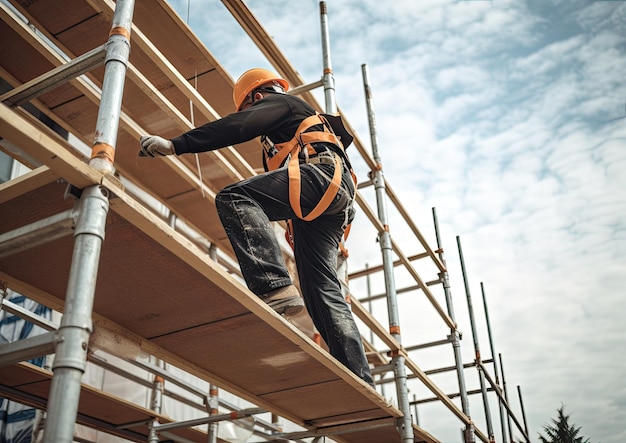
276 116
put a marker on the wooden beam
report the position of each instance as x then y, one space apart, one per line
366 317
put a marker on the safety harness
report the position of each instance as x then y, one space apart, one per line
301 146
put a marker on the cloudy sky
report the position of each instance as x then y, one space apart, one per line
508 117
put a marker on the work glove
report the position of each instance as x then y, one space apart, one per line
155 146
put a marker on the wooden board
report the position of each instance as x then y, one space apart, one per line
29 384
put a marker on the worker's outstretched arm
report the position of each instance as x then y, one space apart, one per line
263 117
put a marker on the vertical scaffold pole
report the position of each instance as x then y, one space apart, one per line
521 404
72 337
327 78
469 436
328 82
398 361
156 404
213 389
495 365
213 410
506 397
481 376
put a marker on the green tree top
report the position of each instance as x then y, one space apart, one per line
560 431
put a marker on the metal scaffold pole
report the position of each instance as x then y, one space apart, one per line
156 404
506 397
521 404
213 399
495 365
481 376
398 360
74 332
327 78
469 436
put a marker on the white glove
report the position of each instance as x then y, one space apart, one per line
155 146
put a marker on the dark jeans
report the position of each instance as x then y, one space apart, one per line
246 209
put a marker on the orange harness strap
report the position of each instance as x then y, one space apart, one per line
294 189
302 140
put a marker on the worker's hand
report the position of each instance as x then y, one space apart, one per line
155 146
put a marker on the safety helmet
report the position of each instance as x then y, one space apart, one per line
251 80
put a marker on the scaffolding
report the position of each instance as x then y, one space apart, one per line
82 235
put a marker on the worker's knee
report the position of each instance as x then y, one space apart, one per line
225 196
229 199
223 200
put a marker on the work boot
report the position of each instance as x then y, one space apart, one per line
285 301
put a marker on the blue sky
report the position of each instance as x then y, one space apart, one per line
508 117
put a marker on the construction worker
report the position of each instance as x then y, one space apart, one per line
307 181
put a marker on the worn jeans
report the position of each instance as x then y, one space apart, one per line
246 210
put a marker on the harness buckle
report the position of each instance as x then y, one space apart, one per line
268 146
321 159
325 157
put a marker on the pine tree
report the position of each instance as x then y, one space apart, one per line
560 431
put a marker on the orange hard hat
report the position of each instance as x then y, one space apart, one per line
253 79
